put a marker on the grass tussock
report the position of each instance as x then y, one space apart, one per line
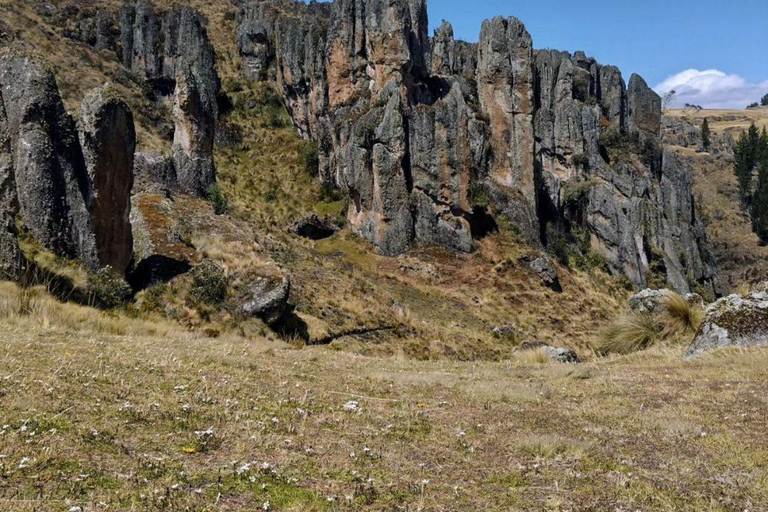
35 308
632 332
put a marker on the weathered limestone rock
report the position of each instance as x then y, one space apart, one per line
253 41
613 95
644 107
443 56
505 88
108 139
151 170
547 272
532 137
649 301
159 256
345 55
377 180
505 72
194 135
11 259
51 179
268 299
735 321
441 153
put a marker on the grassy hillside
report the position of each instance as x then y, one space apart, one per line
120 414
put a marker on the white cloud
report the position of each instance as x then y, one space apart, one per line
712 89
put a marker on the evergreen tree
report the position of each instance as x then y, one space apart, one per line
764 101
705 134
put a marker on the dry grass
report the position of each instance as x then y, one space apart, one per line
632 332
174 422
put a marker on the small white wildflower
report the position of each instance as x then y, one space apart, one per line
25 462
175 487
266 506
275 420
185 407
76 509
125 406
352 406
204 433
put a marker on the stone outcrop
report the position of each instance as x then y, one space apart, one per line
415 129
735 321
194 135
108 139
52 183
11 259
268 299
171 51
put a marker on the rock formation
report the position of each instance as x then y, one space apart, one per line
194 136
735 321
170 51
52 182
417 129
11 260
108 139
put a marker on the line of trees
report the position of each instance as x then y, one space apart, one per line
751 167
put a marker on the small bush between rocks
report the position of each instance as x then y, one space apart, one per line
218 199
109 289
209 283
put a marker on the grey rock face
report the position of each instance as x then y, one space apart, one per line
443 51
153 169
194 135
547 272
505 87
644 107
380 210
108 139
735 321
11 259
408 126
562 355
51 179
649 301
268 300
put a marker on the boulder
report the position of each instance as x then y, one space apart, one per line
649 301
735 321
52 183
547 272
268 299
108 139
160 251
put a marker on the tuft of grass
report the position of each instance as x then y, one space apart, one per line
632 332
680 316
629 333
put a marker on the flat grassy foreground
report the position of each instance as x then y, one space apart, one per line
152 419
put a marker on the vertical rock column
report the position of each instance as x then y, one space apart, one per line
505 87
11 260
108 138
51 179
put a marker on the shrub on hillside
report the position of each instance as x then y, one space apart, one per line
108 288
218 199
310 158
209 283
